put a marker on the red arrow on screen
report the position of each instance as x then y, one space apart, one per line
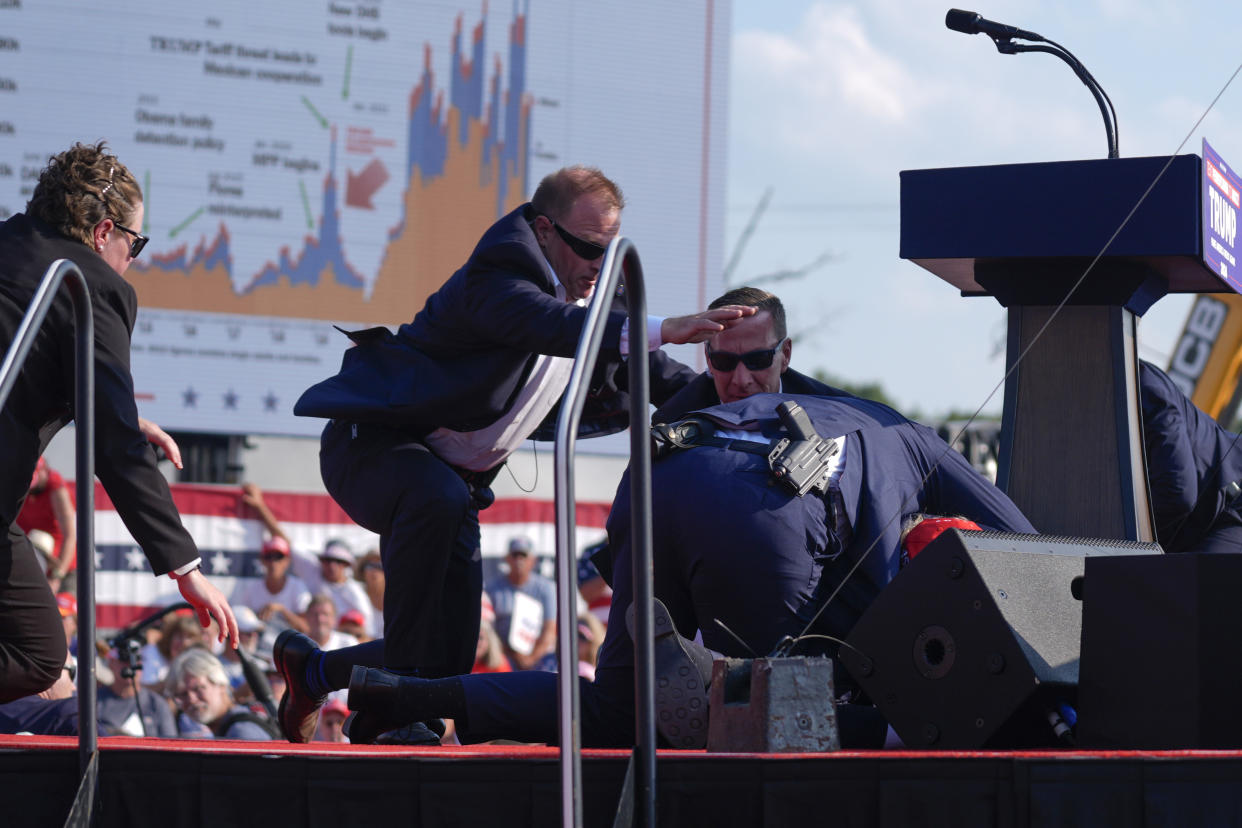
359 187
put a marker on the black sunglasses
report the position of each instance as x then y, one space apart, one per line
583 248
726 361
139 242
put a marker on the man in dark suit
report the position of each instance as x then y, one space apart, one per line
83 209
1191 464
423 419
732 546
752 357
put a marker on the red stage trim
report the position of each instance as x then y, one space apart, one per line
235 747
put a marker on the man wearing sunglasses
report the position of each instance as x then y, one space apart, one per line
422 421
752 357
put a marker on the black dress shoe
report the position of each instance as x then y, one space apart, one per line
361 732
683 669
378 719
299 710
373 693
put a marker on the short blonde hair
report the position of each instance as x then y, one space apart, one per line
81 187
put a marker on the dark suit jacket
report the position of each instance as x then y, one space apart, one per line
894 467
701 393
42 400
1190 460
463 359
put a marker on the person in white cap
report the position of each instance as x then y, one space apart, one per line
336 579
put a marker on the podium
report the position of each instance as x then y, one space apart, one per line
1071 436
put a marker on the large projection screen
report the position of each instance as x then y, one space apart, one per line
311 164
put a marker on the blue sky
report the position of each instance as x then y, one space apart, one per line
830 100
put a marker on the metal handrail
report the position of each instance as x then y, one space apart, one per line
621 256
58 272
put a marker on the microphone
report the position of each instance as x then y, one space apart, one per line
968 22
135 629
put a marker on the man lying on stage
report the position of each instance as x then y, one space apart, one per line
733 548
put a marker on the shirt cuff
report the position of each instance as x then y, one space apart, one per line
654 340
187 569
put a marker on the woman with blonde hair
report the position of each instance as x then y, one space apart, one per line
86 208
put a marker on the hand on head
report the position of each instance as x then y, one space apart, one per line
699 327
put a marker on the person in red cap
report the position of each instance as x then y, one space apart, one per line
68 606
332 721
353 623
281 597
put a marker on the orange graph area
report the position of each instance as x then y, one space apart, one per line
442 220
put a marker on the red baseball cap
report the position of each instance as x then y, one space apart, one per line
352 616
67 604
928 530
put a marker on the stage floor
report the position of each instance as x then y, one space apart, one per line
226 783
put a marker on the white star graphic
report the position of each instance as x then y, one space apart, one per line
220 563
98 560
134 558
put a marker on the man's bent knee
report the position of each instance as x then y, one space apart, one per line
32 672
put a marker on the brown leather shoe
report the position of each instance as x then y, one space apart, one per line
299 710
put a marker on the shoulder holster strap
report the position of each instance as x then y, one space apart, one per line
667 438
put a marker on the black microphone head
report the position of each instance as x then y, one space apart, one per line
966 22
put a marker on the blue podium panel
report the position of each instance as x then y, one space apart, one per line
1056 217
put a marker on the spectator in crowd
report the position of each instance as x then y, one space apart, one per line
590 636
67 604
525 605
336 578
178 633
49 508
334 575
332 720
321 624
281 597
45 547
352 623
274 678
204 699
249 630
595 591
489 656
126 707
370 571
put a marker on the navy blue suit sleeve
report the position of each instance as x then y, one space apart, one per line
956 488
513 310
1172 470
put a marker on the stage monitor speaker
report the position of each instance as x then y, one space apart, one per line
976 642
1161 665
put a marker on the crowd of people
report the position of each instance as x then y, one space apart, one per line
406 643
171 682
